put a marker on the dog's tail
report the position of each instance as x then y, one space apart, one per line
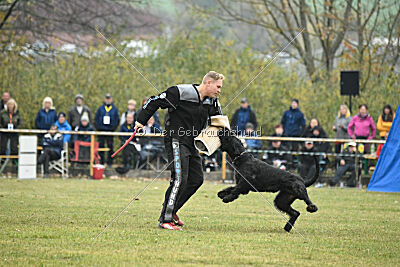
310 182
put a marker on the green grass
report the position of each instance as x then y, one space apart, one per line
53 222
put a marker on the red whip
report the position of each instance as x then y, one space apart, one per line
124 145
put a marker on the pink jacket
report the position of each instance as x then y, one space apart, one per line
360 127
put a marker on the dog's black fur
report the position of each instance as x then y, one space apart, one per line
265 178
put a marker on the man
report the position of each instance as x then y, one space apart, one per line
63 125
189 106
107 120
346 163
52 147
4 100
293 122
130 149
242 116
307 162
75 113
277 156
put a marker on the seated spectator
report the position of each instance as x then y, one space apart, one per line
131 110
242 116
76 112
346 163
130 149
380 146
52 147
84 126
362 126
308 131
47 116
278 132
340 126
385 121
277 157
151 146
4 100
323 147
10 119
293 122
252 143
307 162
107 120
63 125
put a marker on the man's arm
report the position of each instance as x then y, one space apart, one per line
167 99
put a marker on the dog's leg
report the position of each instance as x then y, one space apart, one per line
311 207
241 188
225 192
282 202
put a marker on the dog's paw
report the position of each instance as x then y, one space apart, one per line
222 194
312 208
229 198
288 227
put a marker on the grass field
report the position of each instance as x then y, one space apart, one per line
53 222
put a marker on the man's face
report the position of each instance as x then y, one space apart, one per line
244 105
276 144
279 131
79 101
53 130
129 118
352 148
213 88
249 130
6 97
294 105
61 119
309 145
108 100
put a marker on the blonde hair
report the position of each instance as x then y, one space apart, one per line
12 101
213 75
131 101
347 113
48 99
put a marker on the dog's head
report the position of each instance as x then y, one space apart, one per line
230 143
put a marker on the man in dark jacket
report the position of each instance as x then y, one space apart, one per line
346 163
189 107
242 116
10 119
130 149
107 120
76 112
293 122
307 162
84 126
52 146
277 156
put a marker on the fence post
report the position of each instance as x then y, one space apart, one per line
223 166
91 154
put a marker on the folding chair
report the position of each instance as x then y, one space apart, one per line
60 165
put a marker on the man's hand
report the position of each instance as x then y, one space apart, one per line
342 162
138 125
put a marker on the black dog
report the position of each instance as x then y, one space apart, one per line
265 178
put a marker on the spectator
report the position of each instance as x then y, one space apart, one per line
84 126
107 120
47 116
380 146
52 147
323 147
155 115
277 156
385 121
63 125
340 126
307 162
4 100
130 149
242 116
76 112
131 110
362 126
150 146
346 163
293 122
308 131
10 119
278 132
252 143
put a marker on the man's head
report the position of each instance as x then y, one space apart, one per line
108 99
352 147
6 97
244 103
249 128
61 117
53 129
295 103
129 118
278 129
79 100
276 144
131 105
309 145
212 83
